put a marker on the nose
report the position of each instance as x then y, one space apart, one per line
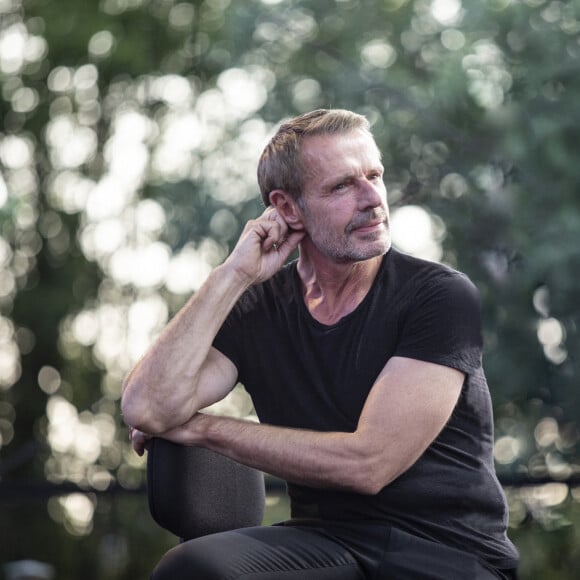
372 194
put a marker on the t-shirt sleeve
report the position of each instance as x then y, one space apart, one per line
229 339
443 324
248 324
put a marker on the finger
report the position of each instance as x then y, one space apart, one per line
273 235
139 441
275 216
139 446
289 244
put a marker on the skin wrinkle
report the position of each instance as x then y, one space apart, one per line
357 165
337 265
396 410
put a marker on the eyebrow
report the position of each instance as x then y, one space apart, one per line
353 175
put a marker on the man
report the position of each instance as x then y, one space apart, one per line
364 366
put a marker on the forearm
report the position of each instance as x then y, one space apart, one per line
408 406
335 460
164 390
160 391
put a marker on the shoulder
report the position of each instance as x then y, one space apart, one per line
418 282
419 276
441 315
279 289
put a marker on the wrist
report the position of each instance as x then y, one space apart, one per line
234 275
192 433
203 431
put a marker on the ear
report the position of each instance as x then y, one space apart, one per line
287 207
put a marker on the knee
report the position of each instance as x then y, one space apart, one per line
190 562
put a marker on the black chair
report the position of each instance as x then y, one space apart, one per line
194 492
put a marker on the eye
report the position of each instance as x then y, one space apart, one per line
342 185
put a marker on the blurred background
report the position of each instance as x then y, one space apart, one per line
129 136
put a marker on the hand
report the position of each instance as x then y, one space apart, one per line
190 433
139 440
264 246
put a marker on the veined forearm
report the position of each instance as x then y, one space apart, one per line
408 406
334 460
160 391
181 373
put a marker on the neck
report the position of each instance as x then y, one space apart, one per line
332 290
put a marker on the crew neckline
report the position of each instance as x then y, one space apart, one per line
297 283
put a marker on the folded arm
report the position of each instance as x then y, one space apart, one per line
408 406
182 373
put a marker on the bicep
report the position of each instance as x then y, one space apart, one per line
217 378
407 407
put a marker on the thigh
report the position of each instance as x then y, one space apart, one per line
261 553
408 557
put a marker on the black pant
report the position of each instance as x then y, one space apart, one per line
309 551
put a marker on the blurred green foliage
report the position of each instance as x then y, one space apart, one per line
129 138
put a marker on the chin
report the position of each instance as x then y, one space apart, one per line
367 253
377 247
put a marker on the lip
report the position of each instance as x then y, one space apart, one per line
370 226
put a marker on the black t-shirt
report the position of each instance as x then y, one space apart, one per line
304 374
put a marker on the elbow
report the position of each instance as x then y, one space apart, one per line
150 412
140 417
372 472
131 410
369 483
370 488
134 408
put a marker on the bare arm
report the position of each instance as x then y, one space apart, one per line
182 373
408 406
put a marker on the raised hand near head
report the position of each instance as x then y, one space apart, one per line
265 244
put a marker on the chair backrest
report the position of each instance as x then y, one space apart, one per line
194 492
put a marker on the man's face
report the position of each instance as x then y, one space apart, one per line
344 199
